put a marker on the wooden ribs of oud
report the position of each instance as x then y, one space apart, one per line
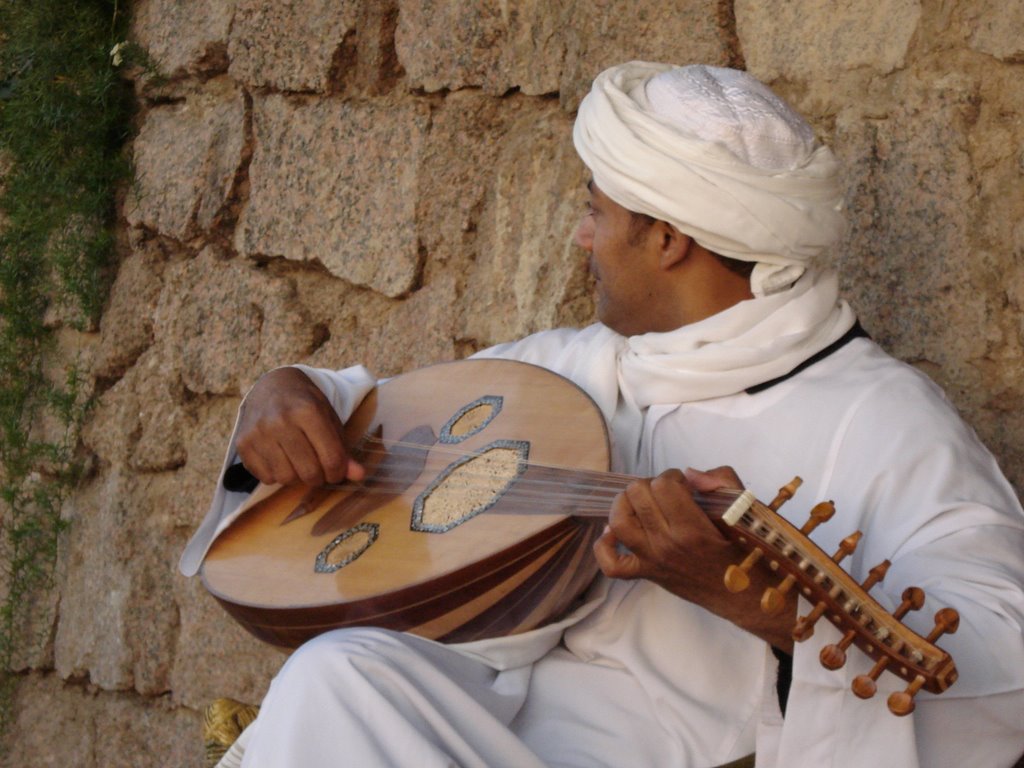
496 596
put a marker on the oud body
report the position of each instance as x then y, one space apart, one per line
441 540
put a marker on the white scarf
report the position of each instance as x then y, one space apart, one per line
752 342
748 344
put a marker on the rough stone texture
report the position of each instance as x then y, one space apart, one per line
99 615
290 46
539 47
126 328
53 721
180 192
493 45
527 267
215 657
336 182
221 332
183 37
823 37
601 33
904 199
414 203
459 156
139 419
79 725
995 27
34 640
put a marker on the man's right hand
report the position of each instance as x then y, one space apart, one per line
288 433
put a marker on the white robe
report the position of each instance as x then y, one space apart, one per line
643 678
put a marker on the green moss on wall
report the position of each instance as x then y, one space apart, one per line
64 116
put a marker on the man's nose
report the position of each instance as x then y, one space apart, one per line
584 235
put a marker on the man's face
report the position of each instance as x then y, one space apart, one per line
623 261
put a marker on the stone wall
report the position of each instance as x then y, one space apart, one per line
393 182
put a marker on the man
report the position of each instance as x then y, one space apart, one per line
717 345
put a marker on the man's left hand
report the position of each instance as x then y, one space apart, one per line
670 541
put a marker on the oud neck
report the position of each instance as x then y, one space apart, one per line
588 494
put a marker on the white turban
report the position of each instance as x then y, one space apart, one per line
719 156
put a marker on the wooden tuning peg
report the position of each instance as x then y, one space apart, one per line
785 494
864 685
833 656
821 513
947 621
737 577
901 703
774 598
805 625
913 600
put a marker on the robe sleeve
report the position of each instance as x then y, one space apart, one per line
344 389
928 496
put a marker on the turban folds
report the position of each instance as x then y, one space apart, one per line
716 154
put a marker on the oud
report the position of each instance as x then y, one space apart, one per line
477 518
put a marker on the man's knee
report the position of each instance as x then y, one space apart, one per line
344 651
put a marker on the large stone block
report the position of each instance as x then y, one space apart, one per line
92 639
820 39
290 46
224 321
601 33
126 328
205 446
139 421
147 733
184 37
445 44
539 47
996 392
214 656
33 620
119 619
996 27
336 182
186 158
457 167
426 319
218 325
375 69
55 724
60 725
151 615
911 214
527 268
386 335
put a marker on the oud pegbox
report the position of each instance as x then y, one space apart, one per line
838 598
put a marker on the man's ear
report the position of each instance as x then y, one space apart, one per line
675 246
